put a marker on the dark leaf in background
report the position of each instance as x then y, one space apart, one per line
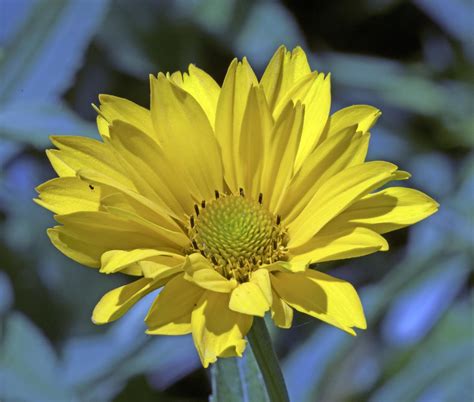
29 369
40 63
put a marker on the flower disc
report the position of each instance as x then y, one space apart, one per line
237 234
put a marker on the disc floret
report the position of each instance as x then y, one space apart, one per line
237 235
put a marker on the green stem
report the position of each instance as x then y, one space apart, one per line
267 361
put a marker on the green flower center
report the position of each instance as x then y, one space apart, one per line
237 235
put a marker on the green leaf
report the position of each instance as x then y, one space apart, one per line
39 64
409 88
447 349
125 351
32 123
325 351
41 61
266 17
237 380
305 366
255 377
28 364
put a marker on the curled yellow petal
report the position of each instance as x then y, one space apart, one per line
294 265
253 297
170 313
117 302
248 298
261 278
363 116
200 271
217 330
115 260
282 313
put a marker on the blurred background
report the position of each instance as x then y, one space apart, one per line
412 59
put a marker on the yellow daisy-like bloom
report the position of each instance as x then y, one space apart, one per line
224 196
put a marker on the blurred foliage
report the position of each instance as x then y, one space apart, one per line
412 59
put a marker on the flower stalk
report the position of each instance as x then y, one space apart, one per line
261 344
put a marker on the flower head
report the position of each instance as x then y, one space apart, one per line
223 197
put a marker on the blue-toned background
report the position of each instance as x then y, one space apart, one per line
412 59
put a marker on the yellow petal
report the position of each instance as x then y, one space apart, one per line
254 141
74 247
150 169
79 152
330 245
230 111
314 92
102 124
290 266
218 331
115 260
85 236
338 152
279 160
336 194
203 88
247 298
120 198
200 271
117 302
133 270
114 108
65 195
322 296
158 267
171 238
282 313
186 135
283 71
254 297
363 116
389 209
170 313
59 165
261 278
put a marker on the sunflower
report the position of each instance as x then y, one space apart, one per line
224 197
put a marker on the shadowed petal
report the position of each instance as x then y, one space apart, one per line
218 331
322 296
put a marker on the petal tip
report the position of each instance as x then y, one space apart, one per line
96 320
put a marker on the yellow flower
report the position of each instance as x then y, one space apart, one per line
224 196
